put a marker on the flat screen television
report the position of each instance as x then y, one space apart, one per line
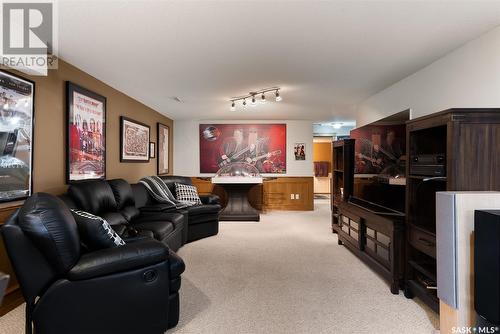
380 159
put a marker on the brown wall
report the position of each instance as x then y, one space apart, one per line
49 172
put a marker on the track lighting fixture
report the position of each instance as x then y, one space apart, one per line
253 95
278 97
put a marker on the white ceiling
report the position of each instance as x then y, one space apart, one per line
326 56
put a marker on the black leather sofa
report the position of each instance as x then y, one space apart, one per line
114 200
202 220
127 289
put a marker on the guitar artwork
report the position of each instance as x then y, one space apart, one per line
260 157
235 156
377 163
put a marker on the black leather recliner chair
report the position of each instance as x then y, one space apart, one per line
114 201
127 289
202 220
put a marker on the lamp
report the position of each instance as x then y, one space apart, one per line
263 98
278 97
252 96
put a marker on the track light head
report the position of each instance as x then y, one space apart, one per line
253 101
263 98
244 103
278 97
233 108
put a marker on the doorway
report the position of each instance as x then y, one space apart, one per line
322 159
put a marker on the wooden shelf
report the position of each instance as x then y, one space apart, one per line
422 177
425 294
425 268
466 167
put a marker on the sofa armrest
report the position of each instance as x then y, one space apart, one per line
210 199
112 260
160 207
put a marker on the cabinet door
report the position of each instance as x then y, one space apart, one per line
350 227
378 245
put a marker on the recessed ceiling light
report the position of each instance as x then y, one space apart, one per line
337 125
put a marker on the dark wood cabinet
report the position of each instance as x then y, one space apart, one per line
462 150
342 177
378 240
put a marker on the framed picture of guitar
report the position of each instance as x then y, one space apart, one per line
261 145
380 149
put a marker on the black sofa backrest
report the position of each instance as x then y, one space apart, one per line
94 196
43 242
124 197
141 195
171 180
27 260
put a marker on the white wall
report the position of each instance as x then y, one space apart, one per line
468 77
187 146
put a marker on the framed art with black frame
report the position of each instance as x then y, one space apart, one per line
163 133
152 150
17 122
134 140
86 134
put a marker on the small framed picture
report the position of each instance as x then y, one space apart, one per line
152 150
163 140
300 151
134 141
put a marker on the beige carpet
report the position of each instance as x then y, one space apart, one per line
285 274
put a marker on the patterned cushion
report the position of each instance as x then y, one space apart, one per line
95 232
187 194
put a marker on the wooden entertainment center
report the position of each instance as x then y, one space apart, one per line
372 232
452 150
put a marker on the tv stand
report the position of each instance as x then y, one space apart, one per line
376 235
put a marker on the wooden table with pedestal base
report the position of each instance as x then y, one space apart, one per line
238 207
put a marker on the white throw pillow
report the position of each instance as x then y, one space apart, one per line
187 194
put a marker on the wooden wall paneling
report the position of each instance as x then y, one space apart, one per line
273 194
277 193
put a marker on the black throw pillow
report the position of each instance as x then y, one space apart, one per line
95 232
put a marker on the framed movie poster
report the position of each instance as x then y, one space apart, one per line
86 134
300 151
17 98
162 146
262 145
134 140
